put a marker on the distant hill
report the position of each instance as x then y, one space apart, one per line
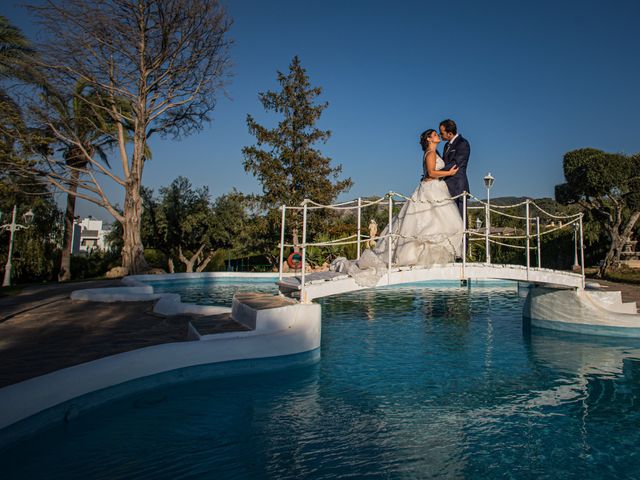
512 200
546 203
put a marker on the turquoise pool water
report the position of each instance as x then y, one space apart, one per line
213 291
423 381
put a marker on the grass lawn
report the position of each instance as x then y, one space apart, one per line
622 275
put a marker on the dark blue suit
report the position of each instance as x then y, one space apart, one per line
457 153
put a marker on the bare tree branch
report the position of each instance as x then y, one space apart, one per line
157 66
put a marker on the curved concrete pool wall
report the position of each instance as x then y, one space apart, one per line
592 312
286 331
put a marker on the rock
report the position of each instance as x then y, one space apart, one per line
155 271
117 272
319 268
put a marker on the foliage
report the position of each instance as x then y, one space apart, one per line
94 134
36 248
557 246
93 265
184 224
607 185
15 52
156 258
114 238
285 160
316 256
186 214
231 223
178 222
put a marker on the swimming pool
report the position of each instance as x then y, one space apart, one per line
213 290
419 381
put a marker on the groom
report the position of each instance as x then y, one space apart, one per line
456 152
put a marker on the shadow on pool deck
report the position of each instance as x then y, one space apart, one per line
43 330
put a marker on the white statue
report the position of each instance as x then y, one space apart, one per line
373 231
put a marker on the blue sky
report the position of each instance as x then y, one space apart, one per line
526 81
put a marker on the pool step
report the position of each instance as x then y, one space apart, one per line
212 324
262 301
247 308
247 313
609 299
290 286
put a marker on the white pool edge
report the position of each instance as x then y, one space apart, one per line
282 331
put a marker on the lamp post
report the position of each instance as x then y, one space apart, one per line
488 182
12 228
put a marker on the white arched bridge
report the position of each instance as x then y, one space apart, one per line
322 284
533 223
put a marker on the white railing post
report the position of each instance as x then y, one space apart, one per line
464 231
303 293
581 251
576 265
538 246
359 224
528 242
389 239
284 209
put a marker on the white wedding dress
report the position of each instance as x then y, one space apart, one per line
428 230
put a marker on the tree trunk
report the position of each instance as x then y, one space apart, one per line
172 268
618 241
610 260
189 262
204 264
132 251
64 275
626 234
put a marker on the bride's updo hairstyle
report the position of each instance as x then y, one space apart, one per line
424 139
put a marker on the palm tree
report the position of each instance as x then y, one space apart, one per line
14 55
90 131
14 51
82 116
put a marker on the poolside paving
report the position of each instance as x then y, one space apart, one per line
43 330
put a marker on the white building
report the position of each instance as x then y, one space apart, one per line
88 235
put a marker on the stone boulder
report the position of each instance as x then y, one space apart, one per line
155 271
117 272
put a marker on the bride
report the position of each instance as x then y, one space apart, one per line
428 229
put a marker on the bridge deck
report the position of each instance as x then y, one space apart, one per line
322 284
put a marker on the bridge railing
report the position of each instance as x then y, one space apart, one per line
532 232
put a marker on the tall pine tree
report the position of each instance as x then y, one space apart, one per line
285 159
